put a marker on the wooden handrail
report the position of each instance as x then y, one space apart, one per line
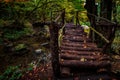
104 38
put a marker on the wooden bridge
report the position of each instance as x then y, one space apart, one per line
78 57
81 58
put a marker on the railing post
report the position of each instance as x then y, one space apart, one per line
63 17
77 20
54 49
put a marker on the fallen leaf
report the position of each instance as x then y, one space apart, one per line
82 59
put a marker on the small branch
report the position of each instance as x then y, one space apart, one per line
106 40
101 18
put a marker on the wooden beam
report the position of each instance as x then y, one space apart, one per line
85 64
54 48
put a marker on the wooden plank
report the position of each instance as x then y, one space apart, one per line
84 57
81 52
79 45
80 49
86 64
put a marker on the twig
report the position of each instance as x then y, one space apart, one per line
100 35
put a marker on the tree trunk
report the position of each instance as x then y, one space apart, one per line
107 30
91 10
106 9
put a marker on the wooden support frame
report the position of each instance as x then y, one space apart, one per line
54 49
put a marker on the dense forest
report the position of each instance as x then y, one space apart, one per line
25 37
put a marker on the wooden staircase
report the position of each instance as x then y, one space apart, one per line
80 58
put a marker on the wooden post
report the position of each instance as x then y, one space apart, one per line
54 49
63 17
77 20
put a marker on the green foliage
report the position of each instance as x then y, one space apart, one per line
78 4
116 42
14 72
11 73
118 14
13 34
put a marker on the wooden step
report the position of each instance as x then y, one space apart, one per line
84 57
85 64
73 34
72 29
75 40
81 52
75 37
79 36
80 49
79 45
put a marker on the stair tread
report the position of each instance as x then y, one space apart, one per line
85 57
80 48
85 64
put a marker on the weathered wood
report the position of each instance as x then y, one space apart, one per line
74 33
86 64
75 40
78 29
81 49
54 49
85 58
79 42
81 52
79 45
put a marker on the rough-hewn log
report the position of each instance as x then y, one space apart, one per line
79 45
75 30
81 52
86 57
54 48
68 41
80 49
75 40
85 64
74 33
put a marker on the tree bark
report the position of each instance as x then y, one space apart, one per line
54 49
91 9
